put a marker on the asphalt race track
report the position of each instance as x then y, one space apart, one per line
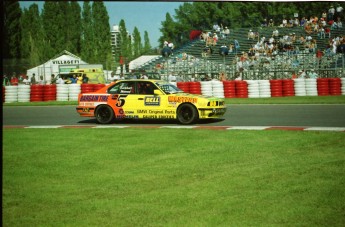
236 115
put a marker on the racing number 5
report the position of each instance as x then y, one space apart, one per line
120 101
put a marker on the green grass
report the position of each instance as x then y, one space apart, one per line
276 100
172 177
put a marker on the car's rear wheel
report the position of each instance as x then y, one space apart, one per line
104 114
187 114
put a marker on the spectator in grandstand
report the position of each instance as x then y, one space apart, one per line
290 23
284 23
226 32
303 22
264 23
206 78
323 22
204 36
339 11
53 79
301 74
216 27
215 39
328 32
321 34
251 35
334 25
171 45
275 33
312 74
331 12
339 23
270 23
324 16
308 29
171 78
237 46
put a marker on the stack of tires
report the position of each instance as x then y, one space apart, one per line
206 88
334 86
276 88
299 85
311 87
96 87
49 92
322 86
62 92
194 88
342 86
86 88
288 87
217 89
253 89
11 94
36 93
23 93
264 88
73 91
229 89
241 89
184 86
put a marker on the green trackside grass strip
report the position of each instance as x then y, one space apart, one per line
276 100
172 177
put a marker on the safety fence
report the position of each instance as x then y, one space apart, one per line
221 89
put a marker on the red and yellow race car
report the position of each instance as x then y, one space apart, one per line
148 99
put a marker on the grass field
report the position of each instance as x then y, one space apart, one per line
172 177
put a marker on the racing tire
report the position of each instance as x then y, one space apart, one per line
187 114
104 114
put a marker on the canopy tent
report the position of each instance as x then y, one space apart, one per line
62 63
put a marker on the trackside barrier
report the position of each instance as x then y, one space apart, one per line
221 89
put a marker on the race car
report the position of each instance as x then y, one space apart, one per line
147 99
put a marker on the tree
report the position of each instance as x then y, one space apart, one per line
12 31
125 42
87 33
101 30
137 45
73 28
168 30
147 45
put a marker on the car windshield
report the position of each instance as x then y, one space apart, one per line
168 88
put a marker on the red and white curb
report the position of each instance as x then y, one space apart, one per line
255 128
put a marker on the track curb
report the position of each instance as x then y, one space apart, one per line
255 128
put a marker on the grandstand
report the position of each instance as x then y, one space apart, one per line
278 68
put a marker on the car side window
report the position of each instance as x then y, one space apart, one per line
146 88
126 87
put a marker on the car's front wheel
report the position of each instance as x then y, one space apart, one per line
187 114
104 114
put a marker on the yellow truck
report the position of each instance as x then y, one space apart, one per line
88 75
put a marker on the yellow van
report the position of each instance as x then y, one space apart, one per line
91 75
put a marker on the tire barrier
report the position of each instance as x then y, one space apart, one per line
264 88
206 88
194 87
11 94
62 92
86 88
217 89
334 86
342 86
300 87
253 89
322 86
221 89
24 93
311 87
276 87
96 87
73 92
184 86
288 87
229 89
36 94
241 87
49 92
